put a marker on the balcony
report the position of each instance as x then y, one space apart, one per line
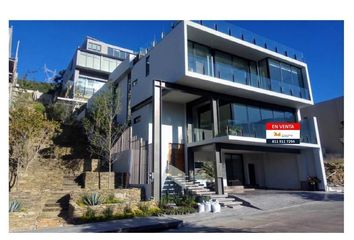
253 130
284 78
257 130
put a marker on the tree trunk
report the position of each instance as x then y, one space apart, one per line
109 153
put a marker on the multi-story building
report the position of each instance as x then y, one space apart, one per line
90 67
331 128
200 99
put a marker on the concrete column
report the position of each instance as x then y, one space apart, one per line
215 114
156 140
318 158
219 185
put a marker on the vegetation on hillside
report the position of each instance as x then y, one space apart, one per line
30 132
335 172
34 85
101 127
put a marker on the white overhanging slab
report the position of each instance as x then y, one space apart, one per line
251 141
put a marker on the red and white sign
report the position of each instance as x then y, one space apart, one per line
283 133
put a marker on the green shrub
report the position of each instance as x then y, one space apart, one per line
89 215
91 199
111 200
178 210
14 206
108 213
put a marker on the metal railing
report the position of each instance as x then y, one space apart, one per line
250 37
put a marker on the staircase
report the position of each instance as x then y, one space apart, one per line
55 210
198 189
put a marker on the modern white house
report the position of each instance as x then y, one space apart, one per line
90 67
199 99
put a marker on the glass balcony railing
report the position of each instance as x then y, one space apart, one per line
258 81
200 134
250 37
308 132
257 130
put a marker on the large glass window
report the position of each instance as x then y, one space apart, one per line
241 70
239 124
199 59
275 75
267 73
117 53
255 120
249 119
278 116
86 87
223 66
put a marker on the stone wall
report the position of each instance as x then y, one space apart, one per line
99 180
129 197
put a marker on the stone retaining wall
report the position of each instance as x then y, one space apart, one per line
99 180
130 197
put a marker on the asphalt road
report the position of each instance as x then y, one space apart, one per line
273 211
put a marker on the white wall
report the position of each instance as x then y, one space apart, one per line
173 131
166 63
141 129
258 160
281 171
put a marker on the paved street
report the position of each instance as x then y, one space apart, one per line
273 211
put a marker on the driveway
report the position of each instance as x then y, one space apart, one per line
273 211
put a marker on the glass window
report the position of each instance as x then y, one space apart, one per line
240 70
254 74
225 117
267 115
112 65
81 59
199 59
289 117
110 51
96 62
86 87
263 81
275 75
105 64
255 120
223 66
278 116
89 61
240 120
94 46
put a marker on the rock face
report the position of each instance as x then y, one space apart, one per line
335 172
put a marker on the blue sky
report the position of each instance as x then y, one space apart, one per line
53 43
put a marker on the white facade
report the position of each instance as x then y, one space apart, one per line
276 166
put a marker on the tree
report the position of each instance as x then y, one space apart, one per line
29 133
100 123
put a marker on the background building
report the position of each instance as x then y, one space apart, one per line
330 117
90 67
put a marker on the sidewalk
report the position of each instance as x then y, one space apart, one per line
147 224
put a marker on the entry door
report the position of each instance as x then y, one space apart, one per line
234 169
177 155
252 174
